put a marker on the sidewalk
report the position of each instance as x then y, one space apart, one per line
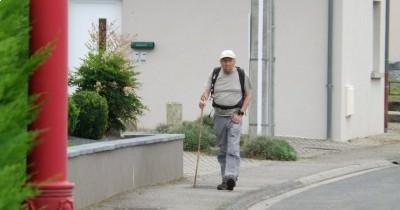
319 160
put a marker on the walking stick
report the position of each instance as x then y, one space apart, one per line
198 146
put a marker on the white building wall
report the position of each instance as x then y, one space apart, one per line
189 36
337 73
353 58
301 35
394 39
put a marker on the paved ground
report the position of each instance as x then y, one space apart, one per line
319 160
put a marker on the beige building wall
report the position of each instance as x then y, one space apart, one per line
358 113
301 68
189 36
394 34
301 46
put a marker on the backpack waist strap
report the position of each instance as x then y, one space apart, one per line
238 105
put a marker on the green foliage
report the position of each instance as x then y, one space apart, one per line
111 74
12 193
191 131
73 116
207 121
270 148
396 109
394 91
394 106
165 128
243 139
16 110
93 115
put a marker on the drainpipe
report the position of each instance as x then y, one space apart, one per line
257 64
329 72
387 64
270 67
260 64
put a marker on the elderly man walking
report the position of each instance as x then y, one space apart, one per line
229 88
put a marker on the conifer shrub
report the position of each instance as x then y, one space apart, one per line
271 148
93 114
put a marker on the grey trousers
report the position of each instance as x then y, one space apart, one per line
228 135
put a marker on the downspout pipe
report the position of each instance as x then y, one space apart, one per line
329 85
387 28
271 61
260 62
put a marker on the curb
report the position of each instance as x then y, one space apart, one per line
270 191
338 172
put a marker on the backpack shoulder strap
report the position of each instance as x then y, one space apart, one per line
241 79
214 78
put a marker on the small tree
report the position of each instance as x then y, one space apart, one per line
107 71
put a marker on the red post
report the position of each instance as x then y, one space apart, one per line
48 160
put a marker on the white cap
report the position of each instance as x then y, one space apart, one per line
227 54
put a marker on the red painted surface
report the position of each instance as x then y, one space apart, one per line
48 160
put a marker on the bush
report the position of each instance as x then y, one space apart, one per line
73 116
191 131
93 115
111 74
207 121
164 128
270 148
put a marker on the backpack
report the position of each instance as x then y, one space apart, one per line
241 79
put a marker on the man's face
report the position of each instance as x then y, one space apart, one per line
227 64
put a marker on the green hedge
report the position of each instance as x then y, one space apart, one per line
93 114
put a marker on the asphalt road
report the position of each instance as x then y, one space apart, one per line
369 191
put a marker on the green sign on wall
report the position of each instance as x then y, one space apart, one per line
142 45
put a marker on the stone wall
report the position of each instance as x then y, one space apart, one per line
101 170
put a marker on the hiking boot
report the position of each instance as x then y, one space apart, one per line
222 186
230 184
